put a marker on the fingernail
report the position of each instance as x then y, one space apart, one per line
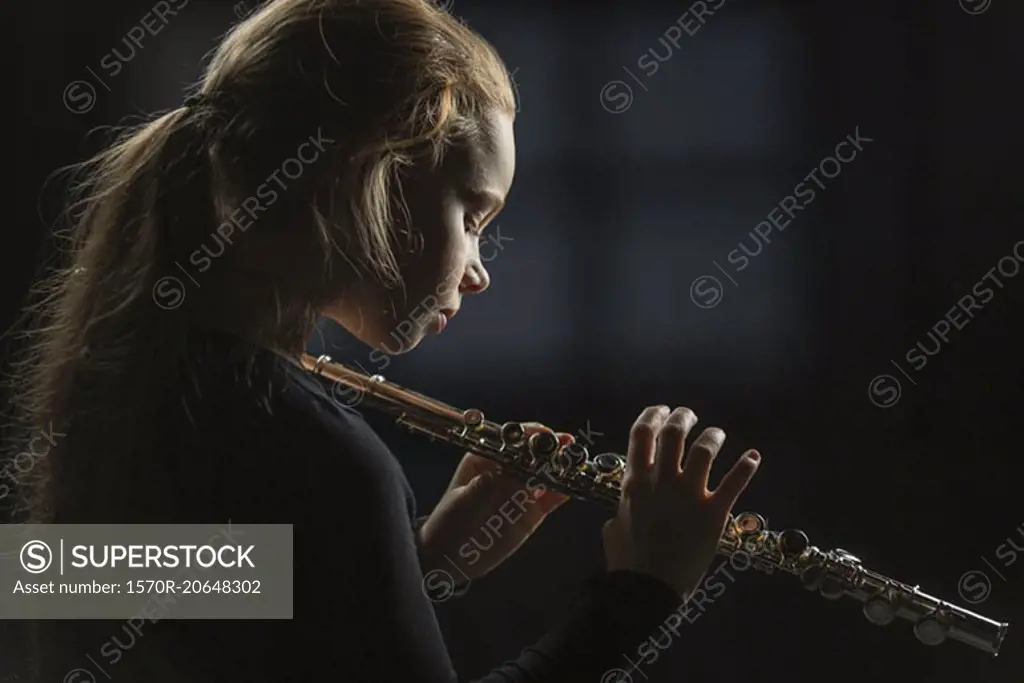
755 456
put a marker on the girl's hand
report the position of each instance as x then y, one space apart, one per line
484 516
668 524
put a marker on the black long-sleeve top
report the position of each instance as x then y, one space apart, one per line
260 440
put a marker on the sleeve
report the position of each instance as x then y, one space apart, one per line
453 587
377 621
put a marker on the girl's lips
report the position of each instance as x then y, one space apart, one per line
443 317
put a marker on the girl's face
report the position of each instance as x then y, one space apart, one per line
449 207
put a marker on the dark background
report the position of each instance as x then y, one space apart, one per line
613 217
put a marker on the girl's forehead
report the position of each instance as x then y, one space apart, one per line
487 161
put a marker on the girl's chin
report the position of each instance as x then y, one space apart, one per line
398 343
393 341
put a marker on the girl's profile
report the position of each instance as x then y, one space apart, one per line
339 159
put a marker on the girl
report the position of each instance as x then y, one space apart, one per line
341 159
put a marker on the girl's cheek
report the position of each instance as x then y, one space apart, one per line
454 248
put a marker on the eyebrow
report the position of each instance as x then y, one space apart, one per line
487 196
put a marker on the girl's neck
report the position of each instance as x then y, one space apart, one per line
255 317
259 336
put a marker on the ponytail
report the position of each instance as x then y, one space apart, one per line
87 314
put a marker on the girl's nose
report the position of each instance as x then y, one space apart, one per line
476 279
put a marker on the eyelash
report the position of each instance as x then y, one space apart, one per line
476 232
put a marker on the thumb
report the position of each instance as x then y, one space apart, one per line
608 528
478 483
610 544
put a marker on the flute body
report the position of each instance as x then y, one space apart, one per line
573 470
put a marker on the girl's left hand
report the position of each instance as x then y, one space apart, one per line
484 516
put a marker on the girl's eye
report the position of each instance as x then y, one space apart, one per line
473 226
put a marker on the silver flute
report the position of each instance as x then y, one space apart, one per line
571 469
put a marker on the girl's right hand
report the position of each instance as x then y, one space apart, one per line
668 524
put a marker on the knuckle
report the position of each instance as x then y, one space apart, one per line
652 413
710 438
630 486
684 415
643 430
673 430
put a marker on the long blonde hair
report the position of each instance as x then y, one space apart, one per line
378 86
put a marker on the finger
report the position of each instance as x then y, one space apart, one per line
479 462
548 501
530 429
671 443
642 438
697 466
736 479
534 427
492 490
470 466
564 438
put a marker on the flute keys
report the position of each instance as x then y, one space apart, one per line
512 433
828 586
542 445
472 418
811 577
832 588
846 557
749 523
609 464
570 457
931 631
792 542
880 610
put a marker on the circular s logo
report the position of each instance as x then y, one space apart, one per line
974 586
169 293
438 585
975 6
79 676
706 291
616 676
616 97
36 557
79 97
884 391
345 395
